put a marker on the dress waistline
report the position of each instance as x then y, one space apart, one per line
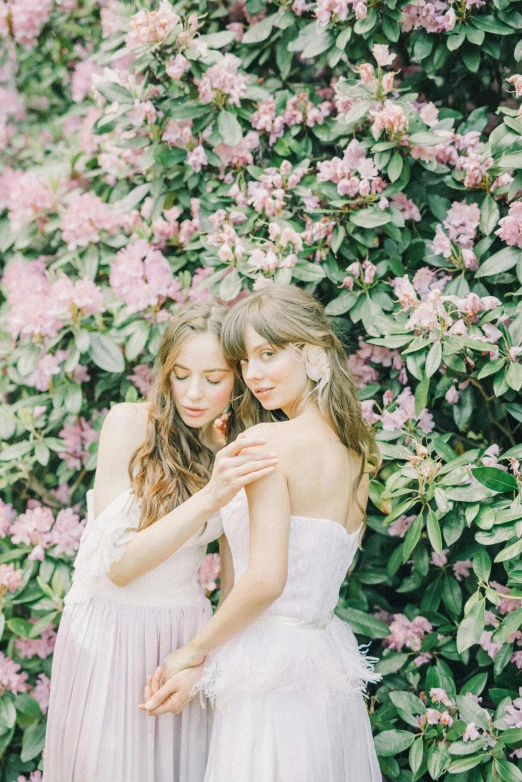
292 621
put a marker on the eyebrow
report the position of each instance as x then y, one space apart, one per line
205 371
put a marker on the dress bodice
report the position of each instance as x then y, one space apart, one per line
174 582
319 555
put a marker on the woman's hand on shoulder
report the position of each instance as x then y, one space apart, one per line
245 460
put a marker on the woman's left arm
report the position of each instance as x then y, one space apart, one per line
262 583
227 570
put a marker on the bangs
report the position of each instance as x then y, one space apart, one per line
258 313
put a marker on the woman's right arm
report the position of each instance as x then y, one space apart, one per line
122 433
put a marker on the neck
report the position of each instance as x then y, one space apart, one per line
210 437
300 409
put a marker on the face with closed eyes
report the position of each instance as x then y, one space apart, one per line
201 381
276 376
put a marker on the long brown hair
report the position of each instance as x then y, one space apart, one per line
172 463
285 315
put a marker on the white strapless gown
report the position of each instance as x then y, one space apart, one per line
289 689
110 638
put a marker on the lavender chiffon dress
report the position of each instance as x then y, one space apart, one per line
110 638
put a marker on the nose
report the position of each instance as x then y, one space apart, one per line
194 391
251 371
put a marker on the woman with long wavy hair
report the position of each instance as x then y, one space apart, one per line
278 662
164 471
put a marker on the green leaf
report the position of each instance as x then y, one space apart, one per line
219 40
412 537
510 552
416 754
514 376
507 771
434 533
7 712
364 623
511 160
105 353
424 139
438 759
20 627
391 742
131 200
489 215
471 711
356 113
395 167
308 272
33 741
496 479
466 763
137 340
370 218
471 627
482 565
341 304
229 128
322 41
391 664
16 451
113 92
230 286
502 261
434 358
509 625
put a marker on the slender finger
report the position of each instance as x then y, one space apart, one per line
255 476
232 449
155 700
255 467
172 705
245 458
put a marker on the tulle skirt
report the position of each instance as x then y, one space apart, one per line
95 732
290 706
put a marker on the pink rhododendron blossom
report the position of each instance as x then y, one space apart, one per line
223 78
141 277
177 132
439 695
406 206
41 692
390 118
506 605
382 54
239 155
77 439
197 158
27 19
82 295
32 527
82 79
462 568
400 526
368 413
10 678
435 16
66 532
37 647
142 378
7 516
405 411
407 633
516 81
10 579
177 67
489 646
84 218
152 27
514 712
30 200
470 733
341 8
510 230
47 366
209 572
439 560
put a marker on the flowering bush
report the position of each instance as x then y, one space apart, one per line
156 154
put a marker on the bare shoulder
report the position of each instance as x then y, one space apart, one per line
127 418
274 432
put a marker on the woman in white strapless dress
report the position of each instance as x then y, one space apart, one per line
285 674
135 593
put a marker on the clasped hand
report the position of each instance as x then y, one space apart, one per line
170 688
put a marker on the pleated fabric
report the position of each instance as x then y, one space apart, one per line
95 732
109 640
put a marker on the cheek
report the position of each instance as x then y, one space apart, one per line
219 396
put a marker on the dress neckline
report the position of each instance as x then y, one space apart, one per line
332 523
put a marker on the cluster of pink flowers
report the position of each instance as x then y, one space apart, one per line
299 110
239 155
510 230
275 254
40 647
435 16
27 19
7 516
209 572
354 174
225 236
11 679
461 224
178 133
30 200
10 579
390 118
34 776
268 194
77 438
152 27
41 693
84 218
407 633
514 712
223 80
338 10
141 276
141 378
404 412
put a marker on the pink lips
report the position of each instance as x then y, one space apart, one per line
193 412
262 391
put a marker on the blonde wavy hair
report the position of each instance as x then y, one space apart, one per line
287 315
172 463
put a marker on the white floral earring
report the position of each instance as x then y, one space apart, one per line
316 363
